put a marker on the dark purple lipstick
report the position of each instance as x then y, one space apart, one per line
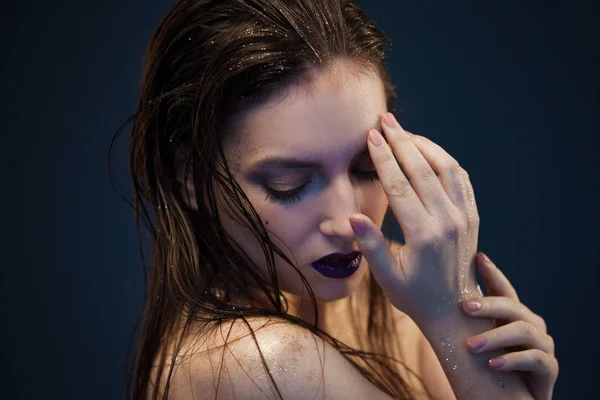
338 265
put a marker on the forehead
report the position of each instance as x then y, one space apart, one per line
338 109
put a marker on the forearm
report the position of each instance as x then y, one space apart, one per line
468 373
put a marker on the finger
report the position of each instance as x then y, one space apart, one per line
518 333
404 201
496 283
543 369
502 308
533 360
453 177
372 245
420 173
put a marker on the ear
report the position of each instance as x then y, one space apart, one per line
184 183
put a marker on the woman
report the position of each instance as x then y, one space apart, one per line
264 159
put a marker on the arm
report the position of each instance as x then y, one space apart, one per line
433 201
431 371
468 373
427 360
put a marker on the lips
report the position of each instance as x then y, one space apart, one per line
338 265
338 258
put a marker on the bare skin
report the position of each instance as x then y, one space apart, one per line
434 272
328 126
204 358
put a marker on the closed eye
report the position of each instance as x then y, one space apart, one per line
294 195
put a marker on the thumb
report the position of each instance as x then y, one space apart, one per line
373 247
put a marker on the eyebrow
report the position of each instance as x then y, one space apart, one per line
297 163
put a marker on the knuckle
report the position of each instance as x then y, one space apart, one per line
368 247
542 324
434 238
538 358
453 235
454 226
455 170
522 309
529 329
551 343
425 173
371 244
387 157
399 188
474 220
428 238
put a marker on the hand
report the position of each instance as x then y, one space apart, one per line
518 328
436 210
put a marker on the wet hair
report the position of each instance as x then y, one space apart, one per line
208 62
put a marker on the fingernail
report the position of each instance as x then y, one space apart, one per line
390 120
496 363
358 226
473 305
375 137
485 257
476 343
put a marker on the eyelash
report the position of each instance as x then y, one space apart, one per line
294 195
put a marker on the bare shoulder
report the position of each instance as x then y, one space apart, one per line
266 358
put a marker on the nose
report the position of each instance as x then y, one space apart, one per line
339 227
342 202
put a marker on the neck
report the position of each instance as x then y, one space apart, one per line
331 314
337 318
344 319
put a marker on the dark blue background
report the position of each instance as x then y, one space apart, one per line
511 89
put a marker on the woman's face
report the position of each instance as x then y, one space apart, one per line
325 128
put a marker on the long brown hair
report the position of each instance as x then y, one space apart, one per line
207 61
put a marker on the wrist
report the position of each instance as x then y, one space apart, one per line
446 309
450 318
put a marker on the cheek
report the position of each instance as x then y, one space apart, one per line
287 226
288 231
284 227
